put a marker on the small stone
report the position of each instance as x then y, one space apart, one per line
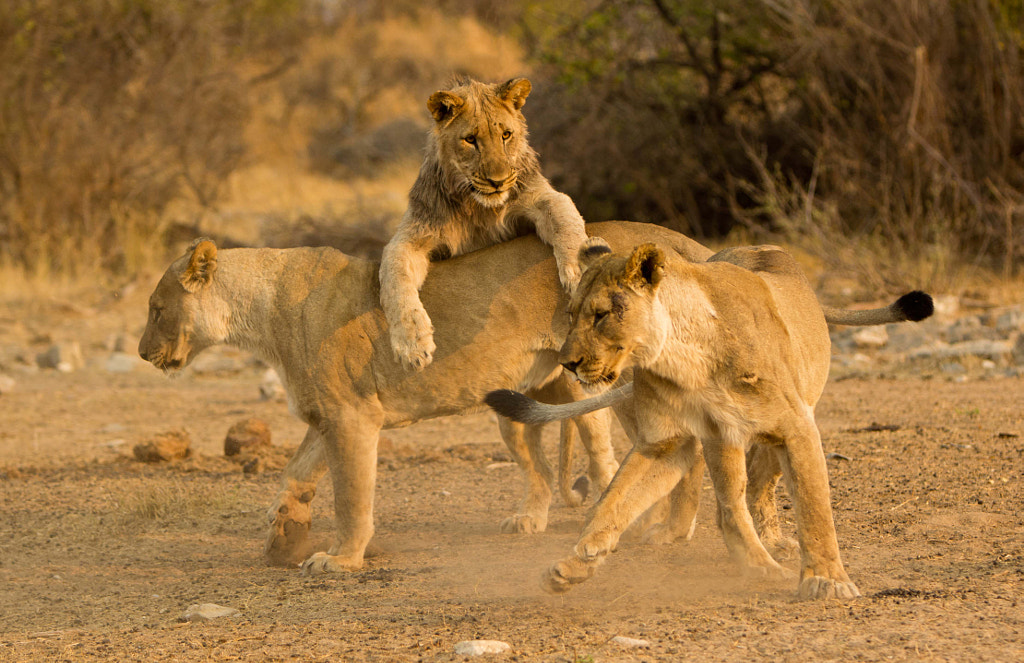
247 436
6 384
204 612
65 357
481 647
271 388
946 306
623 641
1018 350
164 447
871 337
1010 321
121 362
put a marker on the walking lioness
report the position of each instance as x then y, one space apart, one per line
732 353
314 315
480 183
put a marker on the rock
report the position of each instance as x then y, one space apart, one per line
164 447
121 362
247 436
481 647
65 357
6 384
122 342
987 349
623 641
871 337
1010 321
271 388
1018 350
204 612
971 328
946 306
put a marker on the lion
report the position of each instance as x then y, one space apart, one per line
314 315
480 184
731 355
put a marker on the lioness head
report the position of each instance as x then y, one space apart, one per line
481 139
616 320
184 316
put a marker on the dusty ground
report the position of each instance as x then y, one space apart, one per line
100 554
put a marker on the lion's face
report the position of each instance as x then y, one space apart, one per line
616 320
180 323
481 137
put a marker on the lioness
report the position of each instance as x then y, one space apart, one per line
480 183
732 353
314 315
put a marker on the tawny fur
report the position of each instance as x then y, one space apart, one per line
314 315
480 184
732 353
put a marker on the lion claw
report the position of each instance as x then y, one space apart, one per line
560 577
322 563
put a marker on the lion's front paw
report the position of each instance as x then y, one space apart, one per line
413 340
595 545
321 563
523 523
569 275
560 577
287 541
783 547
818 587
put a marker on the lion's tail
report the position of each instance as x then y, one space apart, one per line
520 407
913 306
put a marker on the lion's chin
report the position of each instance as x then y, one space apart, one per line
492 199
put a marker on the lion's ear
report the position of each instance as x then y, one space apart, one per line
445 105
591 250
646 266
201 266
515 91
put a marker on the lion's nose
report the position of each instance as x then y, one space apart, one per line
571 365
497 184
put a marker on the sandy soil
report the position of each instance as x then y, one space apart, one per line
101 554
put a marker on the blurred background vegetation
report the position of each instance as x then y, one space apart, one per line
883 138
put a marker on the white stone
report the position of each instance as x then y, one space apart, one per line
65 357
121 362
623 641
871 337
6 384
481 647
206 612
946 306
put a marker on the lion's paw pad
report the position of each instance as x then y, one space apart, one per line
818 587
522 523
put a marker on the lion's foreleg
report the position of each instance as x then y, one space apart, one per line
290 515
647 474
403 269
351 449
560 226
803 464
524 443
727 465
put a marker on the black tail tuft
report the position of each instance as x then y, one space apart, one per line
508 403
916 305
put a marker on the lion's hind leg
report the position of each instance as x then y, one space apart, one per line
525 444
763 474
683 504
822 574
290 515
728 468
648 473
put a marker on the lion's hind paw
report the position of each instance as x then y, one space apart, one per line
818 588
523 523
321 563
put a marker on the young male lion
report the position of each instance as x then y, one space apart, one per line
479 184
314 315
732 354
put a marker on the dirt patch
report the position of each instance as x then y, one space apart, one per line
100 554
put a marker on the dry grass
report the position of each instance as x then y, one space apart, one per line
172 503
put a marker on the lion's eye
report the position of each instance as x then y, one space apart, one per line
599 316
470 139
156 314
506 134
